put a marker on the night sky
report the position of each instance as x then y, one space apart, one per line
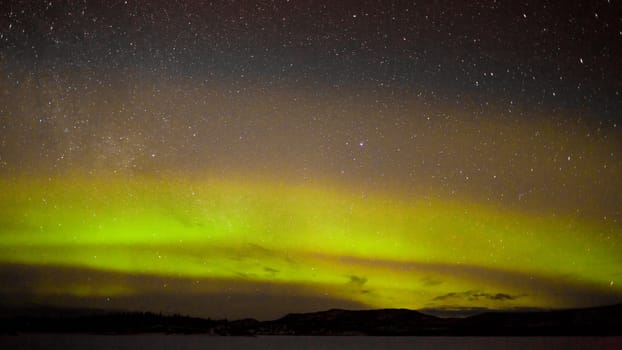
253 158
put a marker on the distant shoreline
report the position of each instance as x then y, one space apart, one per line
597 321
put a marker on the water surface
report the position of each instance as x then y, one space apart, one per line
192 342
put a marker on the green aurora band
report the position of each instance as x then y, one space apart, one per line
379 251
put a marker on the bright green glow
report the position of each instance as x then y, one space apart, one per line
308 235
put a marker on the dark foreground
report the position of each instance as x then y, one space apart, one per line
600 321
192 342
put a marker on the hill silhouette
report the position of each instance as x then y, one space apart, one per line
599 321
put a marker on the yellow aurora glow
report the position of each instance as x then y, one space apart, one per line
375 250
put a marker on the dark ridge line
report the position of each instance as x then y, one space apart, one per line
594 321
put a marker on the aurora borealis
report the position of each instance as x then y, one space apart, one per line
249 159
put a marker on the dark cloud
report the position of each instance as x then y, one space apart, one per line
472 295
357 281
204 297
271 270
567 290
429 282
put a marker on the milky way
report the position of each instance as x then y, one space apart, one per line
238 159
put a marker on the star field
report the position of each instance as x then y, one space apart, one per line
236 159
